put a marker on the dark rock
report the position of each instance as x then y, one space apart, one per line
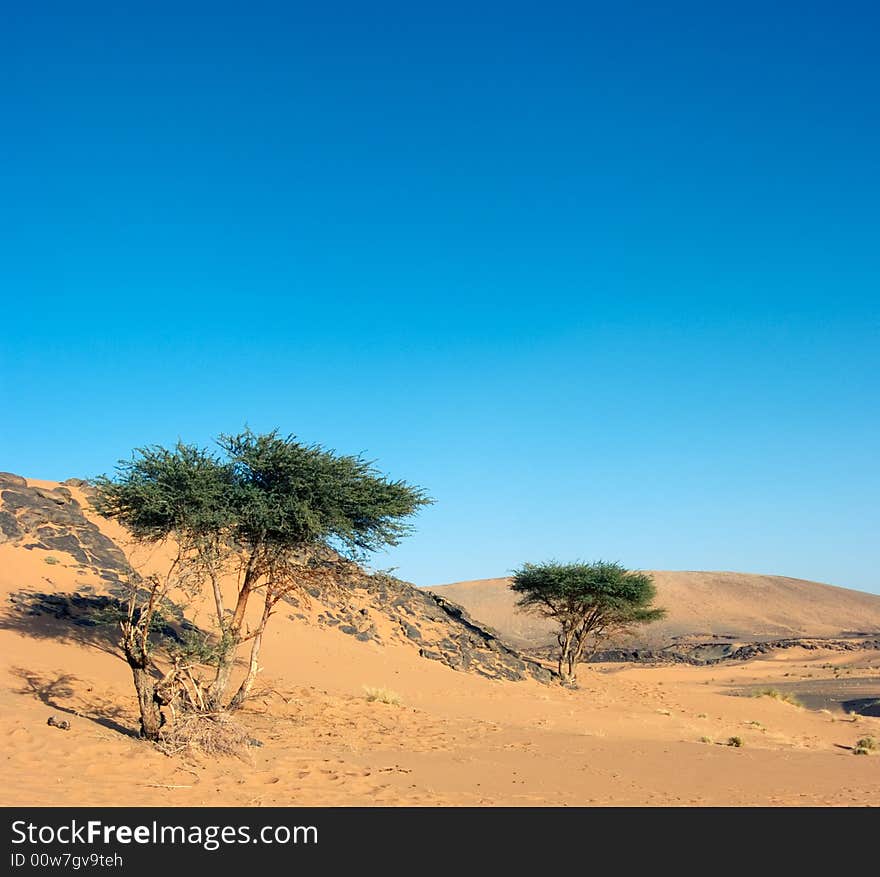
52 496
14 500
67 543
9 529
411 631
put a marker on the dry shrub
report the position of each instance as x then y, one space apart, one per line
776 694
866 746
203 733
383 695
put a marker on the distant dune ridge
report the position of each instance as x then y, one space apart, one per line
700 605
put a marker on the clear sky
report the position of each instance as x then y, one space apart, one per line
603 277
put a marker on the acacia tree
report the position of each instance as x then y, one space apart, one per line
589 601
179 496
282 514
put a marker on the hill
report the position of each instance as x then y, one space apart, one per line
700 606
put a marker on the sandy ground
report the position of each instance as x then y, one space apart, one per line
631 735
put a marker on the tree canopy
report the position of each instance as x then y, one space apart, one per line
589 601
263 490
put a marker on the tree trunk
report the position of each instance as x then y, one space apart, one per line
574 657
226 661
561 666
248 681
564 673
151 715
564 665
218 601
243 595
254 666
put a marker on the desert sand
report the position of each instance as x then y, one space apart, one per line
630 735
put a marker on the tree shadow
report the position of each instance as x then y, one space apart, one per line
86 620
91 620
50 690
77 618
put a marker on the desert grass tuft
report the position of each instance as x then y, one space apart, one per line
776 694
866 746
382 695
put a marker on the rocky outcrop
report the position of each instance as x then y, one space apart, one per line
53 520
439 630
703 654
443 631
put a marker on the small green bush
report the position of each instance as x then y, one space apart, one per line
735 741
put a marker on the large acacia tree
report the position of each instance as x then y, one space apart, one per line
279 514
589 602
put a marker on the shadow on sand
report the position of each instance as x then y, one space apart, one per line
81 619
51 690
68 618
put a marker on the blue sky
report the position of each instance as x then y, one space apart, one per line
602 277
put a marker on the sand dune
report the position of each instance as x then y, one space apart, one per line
629 735
733 605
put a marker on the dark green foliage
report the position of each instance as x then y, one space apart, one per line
291 494
265 490
590 601
161 492
606 588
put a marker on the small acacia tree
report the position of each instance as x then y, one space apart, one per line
278 514
589 602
